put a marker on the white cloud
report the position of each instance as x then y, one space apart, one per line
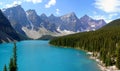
1 3
57 11
50 3
34 1
97 17
13 4
112 15
107 19
108 6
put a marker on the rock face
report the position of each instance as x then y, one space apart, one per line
40 27
38 22
69 22
29 23
7 33
34 19
91 24
17 17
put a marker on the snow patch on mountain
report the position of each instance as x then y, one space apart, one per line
35 26
64 32
93 25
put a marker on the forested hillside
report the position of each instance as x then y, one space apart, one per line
104 43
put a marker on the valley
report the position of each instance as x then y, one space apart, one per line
53 35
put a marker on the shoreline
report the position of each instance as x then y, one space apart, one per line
102 65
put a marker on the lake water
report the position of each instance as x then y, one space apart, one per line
38 55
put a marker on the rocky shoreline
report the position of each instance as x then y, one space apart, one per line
101 65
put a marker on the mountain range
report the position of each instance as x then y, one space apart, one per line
29 23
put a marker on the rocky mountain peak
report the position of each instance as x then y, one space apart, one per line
30 11
17 17
85 18
14 6
72 14
52 16
43 15
17 5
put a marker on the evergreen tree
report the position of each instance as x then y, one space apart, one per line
15 56
5 68
11 65
13 61
118 58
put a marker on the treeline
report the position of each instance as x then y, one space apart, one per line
13 61
104 43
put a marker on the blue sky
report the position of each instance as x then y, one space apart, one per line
97 9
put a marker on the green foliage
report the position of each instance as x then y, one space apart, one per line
118 58
11 65
13 60
5 68
15 56
103 41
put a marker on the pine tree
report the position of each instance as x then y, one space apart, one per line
11 65
13 61
15 56
5 68
118 58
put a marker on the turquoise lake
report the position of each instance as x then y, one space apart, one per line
38 55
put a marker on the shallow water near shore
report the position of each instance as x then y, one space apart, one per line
38 55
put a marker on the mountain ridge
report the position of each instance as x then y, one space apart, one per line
26 22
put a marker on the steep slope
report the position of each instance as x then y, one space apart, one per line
7 33
104 43
115 23
69 22
91 24
44 17
40 27
17 17
56 20
38 23
34 19
30 24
